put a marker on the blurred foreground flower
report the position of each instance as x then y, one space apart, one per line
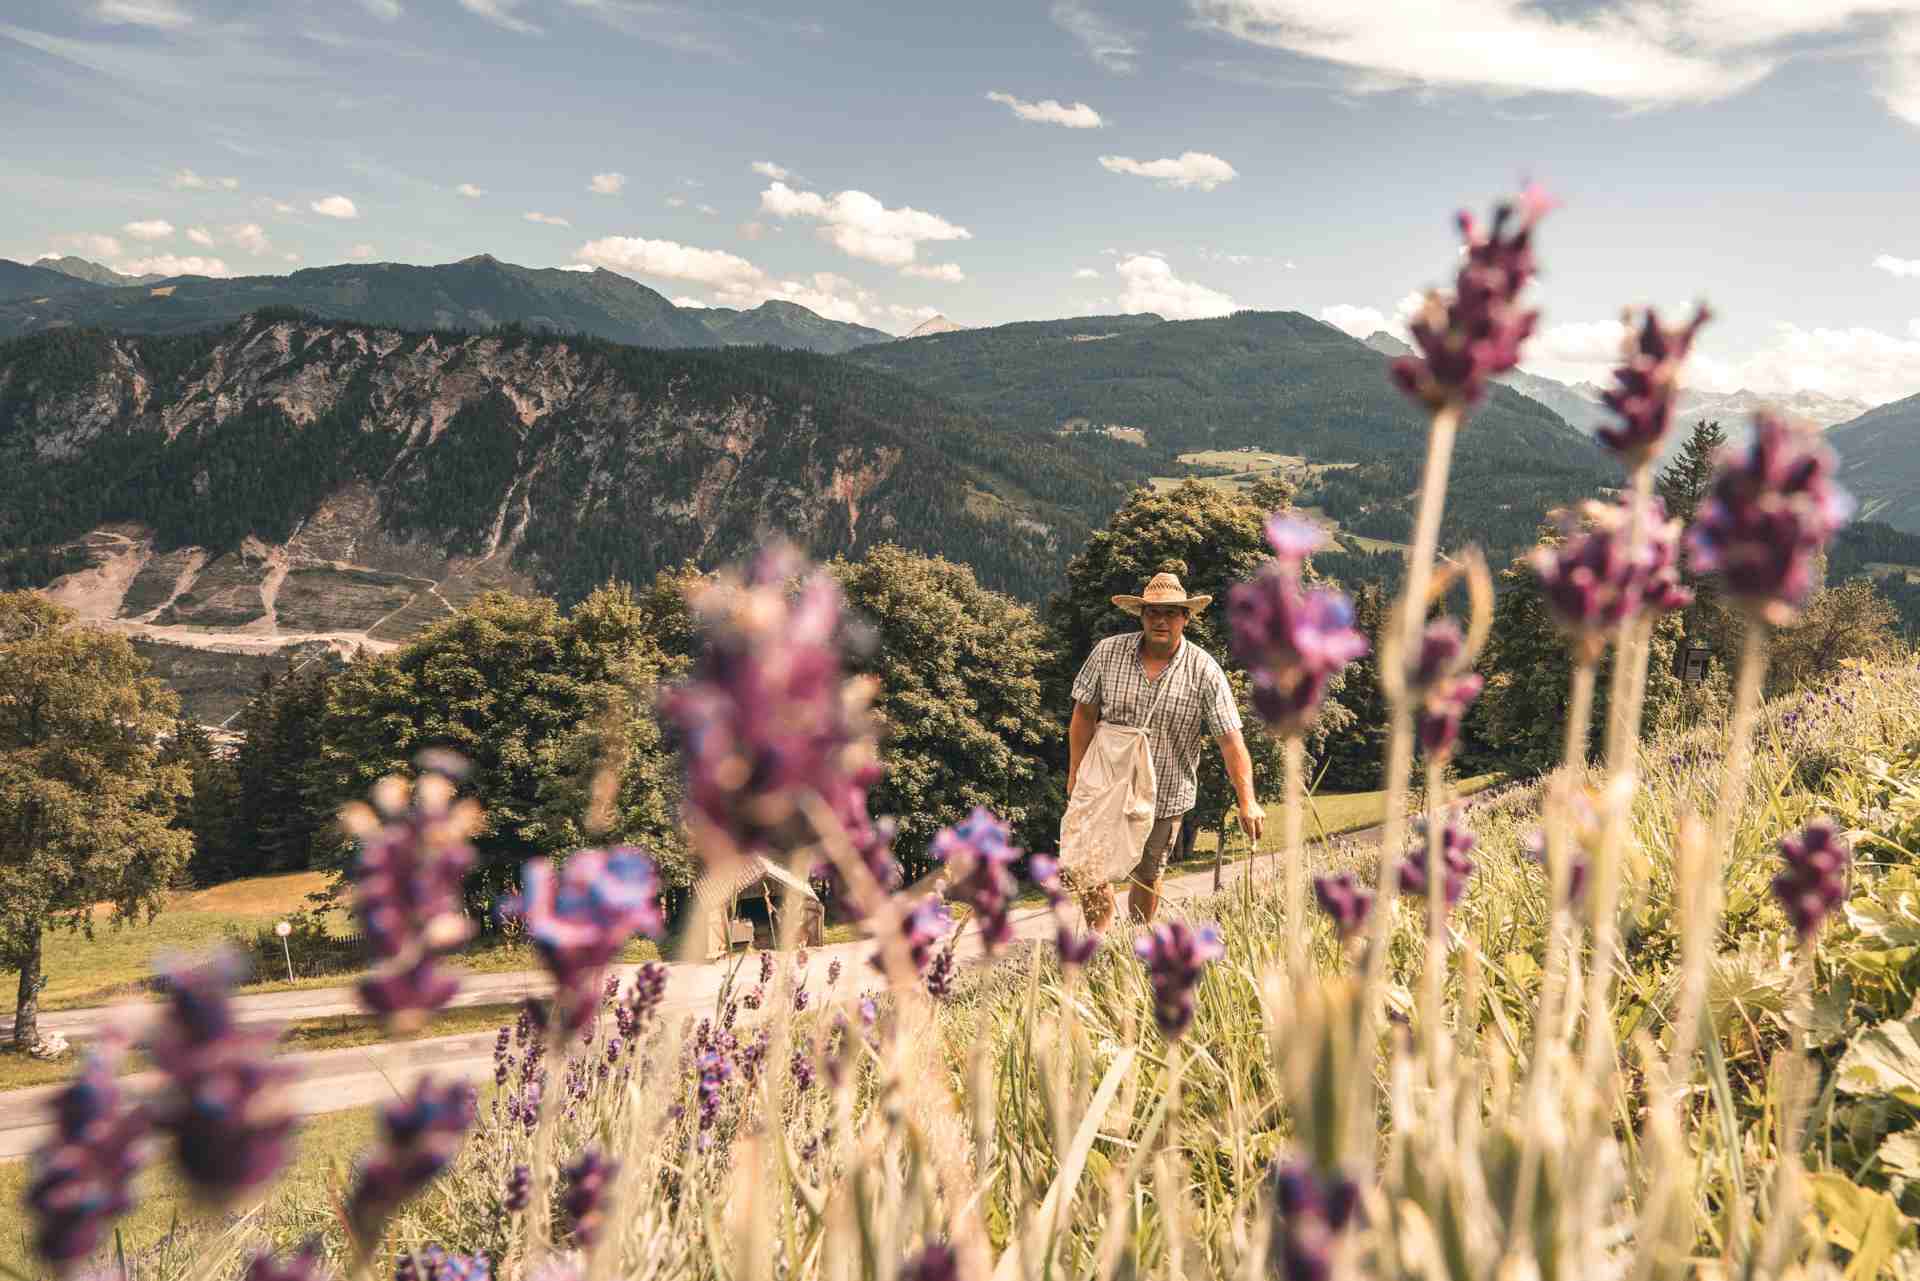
1176 954
1770 512
222 1101
418 1138
1309 1214
1814 881
1592 582
1646 385
1456 868
302 1265
82 1175
1292 641
979 855
580 917
1476 334
938 1262
1438 677
588 1181
1344 899
769 719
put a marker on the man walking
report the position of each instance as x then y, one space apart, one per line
1150 696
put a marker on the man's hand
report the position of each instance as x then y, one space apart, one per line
1253 821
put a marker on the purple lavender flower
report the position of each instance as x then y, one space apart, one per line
937 1262
519 1189
1814 881
1770 511
1477 333
83 1173
715 1070
1646 386
940 973
1455 844
302 1265
588 1181
833 971
1292 641
413 859
1075 950
418 1137
979 855
1310 1212
649 989
921 928
1342 898
1592 582
1175 954
769 718
802 1067
434 1263
580 918
1442 710
223 1099
1535 844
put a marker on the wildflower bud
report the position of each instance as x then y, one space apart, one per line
1476 334
1456 867
979 855
1442 710
418 1137
1175 954
82 1175
1646 386
922 928
1342 898
302 1265
1309 1213
938 1262
802 1068
1770 511
649 989
580 918
1814 880
588 1181
769 718
1592 582
407 890
1075 950
940 973
222 1098
519 1189
1292 641
833 971
715 1070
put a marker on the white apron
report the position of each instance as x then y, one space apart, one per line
1110 813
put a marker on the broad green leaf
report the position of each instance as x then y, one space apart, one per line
1866 1224
1882 1060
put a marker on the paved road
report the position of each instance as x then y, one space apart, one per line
333 1080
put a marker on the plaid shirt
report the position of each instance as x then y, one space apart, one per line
1198 705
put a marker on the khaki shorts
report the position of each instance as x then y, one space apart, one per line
1153 859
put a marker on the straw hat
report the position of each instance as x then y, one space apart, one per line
1163 589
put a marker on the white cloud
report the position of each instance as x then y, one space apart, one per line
89 243
767 169
470 191
834 297
1898 266
607 184
1148 284
1086 273
200 236
946 272
290 256
551 220
676 202
188 180
1050 112
1193 169
669 260
281 207
501 14
1625 51
173 265
708 210
1364 322
860 226
248 236
163 14
1108 45
385 10
335 207
911 317
688 300
361 252
149 229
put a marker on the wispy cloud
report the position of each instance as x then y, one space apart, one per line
767 169
335 207
385 10
946 272
149 229
1050 112
249 236
200 236
188 180
607 184
1898 266
163 14
470 191
550 220
172 265
1108 44
1196 170
501 13
360 252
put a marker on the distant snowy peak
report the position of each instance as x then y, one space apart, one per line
1822 410
935 325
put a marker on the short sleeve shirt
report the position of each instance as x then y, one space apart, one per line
1197 705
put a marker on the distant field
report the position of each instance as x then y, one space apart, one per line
1878 568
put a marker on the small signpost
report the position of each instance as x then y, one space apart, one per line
283 929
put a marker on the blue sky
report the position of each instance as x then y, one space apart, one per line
1181 156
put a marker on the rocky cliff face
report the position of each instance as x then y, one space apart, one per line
297 488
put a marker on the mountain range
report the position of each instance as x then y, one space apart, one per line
474 294
1880 462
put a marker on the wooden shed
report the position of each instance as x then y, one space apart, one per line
741 905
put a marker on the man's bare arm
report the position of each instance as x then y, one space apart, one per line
1239 763
1086 719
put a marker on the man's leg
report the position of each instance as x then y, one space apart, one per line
1144 898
